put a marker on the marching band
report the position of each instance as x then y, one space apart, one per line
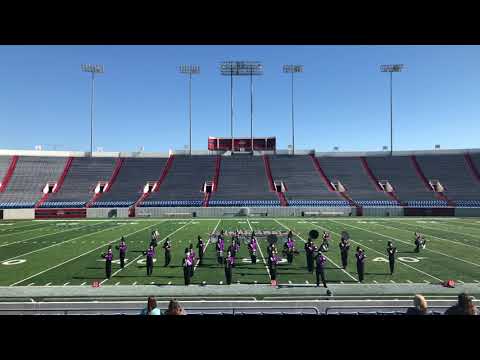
315 258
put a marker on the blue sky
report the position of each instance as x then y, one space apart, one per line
341 98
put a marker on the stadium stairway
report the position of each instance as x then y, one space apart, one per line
268 172
206 198
9 173
425 182
374 180
144 195
472 167
328 183
111 181
59 183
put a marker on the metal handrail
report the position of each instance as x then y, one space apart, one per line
118 310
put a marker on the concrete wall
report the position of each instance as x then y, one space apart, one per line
18 214
382 211
107 212
239 211
467 212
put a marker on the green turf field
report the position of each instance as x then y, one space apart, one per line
66 253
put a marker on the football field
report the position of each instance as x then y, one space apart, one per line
68 252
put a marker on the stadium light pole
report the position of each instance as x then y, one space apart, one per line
293 69
239 68
391 69
93 69
190 70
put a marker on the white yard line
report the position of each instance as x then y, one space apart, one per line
402 241
82 283
40 236
206 245
79 256
31 284
430 235
62 242
408 281
366 247
118 283
301 238
48 284
460 281
66 283
141 255
261 253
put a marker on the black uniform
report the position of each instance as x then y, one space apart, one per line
320 271
228 269
153 240
108 263
419 241
272 265
168 252
309 252
360 264
220 248
122 253
150 253
253 251
391 251
201 249
344 247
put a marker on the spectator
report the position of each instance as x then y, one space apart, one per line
151 308
464 306
174 308
419 306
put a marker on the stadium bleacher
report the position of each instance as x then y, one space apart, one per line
28 180
131 180
243 181
79 184
242 178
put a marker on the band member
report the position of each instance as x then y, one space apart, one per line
220 248
150 253
123 251
271 249
228 267
237 239
272 265
187 264
252 248
193 257
201 249
326 242
154 239
309 252
320 271
108 262
391 251
167 246
419 242
289 249
360 255
344 247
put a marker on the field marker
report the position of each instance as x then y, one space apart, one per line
206 245
63 242
116 284
48 284
66 283
393 282
152 282
402 241
79 256
476 281
261 252
375 282
428 282
301 238
220 282
135 283
366 247
139 256
341 282
289 281
82 283
306 282
169 283
30 284
460 281
408 281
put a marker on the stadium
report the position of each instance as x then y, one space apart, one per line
61 210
